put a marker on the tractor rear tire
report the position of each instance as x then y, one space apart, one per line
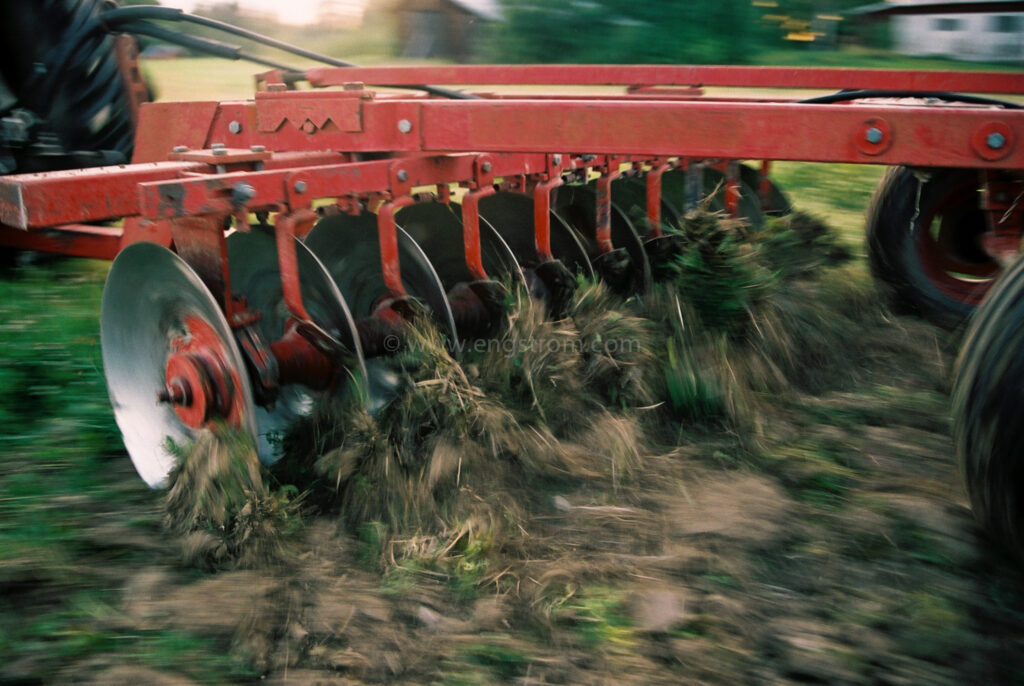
924 252
988 401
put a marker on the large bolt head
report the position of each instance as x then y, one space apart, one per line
242 193
995 140
874 135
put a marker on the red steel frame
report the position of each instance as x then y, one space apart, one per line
285 148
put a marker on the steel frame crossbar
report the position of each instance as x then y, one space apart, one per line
285 148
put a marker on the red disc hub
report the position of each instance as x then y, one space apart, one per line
199 383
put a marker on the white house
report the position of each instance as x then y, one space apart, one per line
989 37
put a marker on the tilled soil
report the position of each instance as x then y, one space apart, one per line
839 548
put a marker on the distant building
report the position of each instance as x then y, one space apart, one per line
987 37
444 29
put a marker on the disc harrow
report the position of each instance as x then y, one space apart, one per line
273 251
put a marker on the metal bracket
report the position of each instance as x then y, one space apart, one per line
603 233
387 234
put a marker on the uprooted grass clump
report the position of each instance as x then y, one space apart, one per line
768 310
221 506
720 272
454 460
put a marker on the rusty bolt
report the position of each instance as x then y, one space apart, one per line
300 187
235 127
995 140
179 148
404 125
403 175
874 135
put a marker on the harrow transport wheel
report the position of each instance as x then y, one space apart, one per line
925 253
255 275
988 398
163 334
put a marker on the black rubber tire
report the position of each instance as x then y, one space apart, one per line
81 97
909 262
988 399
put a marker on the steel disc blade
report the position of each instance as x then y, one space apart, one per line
749 206
437 229
349 248
577 206
511 215
630 194
255 274
149 295
777 202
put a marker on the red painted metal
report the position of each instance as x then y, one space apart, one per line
542 216
653 184
199 382
603 187
74 240
669 75
387 234
921 136
732 188
299 361
471 230
79 195
281 151
286 229
166 125
201 242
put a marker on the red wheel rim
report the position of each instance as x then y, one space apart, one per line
939 229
